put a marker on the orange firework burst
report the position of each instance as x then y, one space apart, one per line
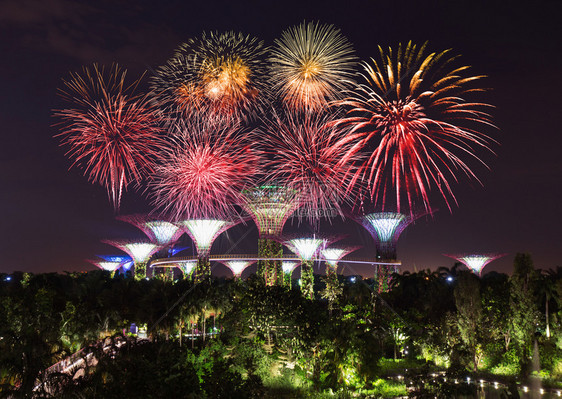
221 74
312 64
111 132
412 114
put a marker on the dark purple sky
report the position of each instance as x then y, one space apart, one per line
54 219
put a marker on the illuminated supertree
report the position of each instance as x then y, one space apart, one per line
476 262
237 266
288 266
311 157
186 267
385 228
110 132
383 276
203 233
270 206
311 65
334 288
140 252
306 249
160 232
205 170
110 266
220 75
415 110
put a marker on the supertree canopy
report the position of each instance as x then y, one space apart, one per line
288 266
312 64
140 252
413 113
203 233
160 232
306 249
476 262
311 157
237 266
204 172
333 255
111 132
186 267
110 266
270 206
385 228
221 75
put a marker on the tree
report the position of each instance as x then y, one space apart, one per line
469 314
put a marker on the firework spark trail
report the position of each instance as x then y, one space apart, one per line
311 65
205 170
411 110
221 75
311 157
110 132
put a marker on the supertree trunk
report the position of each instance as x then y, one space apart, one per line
333 288
202 270
140 270
307 279
271 270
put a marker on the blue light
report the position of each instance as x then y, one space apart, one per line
115 258
174 251
8 278
450 279
353 279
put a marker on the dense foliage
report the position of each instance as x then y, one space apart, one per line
270 341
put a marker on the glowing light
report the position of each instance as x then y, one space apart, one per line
158 231
115 258
204 231
288 266
476 262
333 255
174 251
305 248
386 224
237 266
187 267
140 252
312 64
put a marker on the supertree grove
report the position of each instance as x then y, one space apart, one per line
312 64
270 206
412 109
476 261
111 132
140 252
221 75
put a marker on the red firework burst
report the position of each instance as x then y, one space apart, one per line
110 132
313 158
411 110
205 170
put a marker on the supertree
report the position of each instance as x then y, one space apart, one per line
110 266
237 266
311 157
160 232
333 288
476 261
220 75
288 267
109 131
204 172
306 249
140 252
385 228
186 267
270 206
383 276
413 115
203 233
311 65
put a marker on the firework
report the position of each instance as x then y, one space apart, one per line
204 172
411 115
219 75
476 262
159 232
312 64
311 157
110 132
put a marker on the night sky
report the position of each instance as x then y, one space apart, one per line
53 219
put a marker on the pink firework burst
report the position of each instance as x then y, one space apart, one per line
311 156
412 116
205 170
111 132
